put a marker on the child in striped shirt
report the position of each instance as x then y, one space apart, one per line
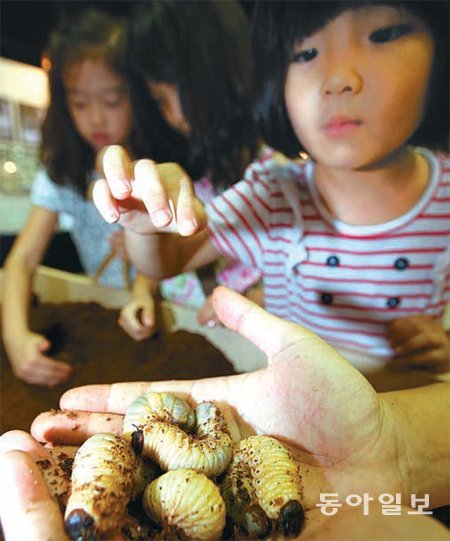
353 239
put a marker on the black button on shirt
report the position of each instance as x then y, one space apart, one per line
393 302
327 298
333 261
401 263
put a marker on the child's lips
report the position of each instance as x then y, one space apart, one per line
100 138
341 125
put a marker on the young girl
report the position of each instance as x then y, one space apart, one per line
92 98
352 241
172 50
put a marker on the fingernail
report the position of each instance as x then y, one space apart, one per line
161 218
189 226
123 189
112 216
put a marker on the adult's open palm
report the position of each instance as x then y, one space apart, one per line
308 396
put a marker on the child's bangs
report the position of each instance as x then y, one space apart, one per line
300 20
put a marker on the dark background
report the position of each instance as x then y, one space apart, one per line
25 25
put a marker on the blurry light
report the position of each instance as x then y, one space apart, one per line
46 63
303 155
10 167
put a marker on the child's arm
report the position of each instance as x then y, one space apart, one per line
26 349
159 200
138 317
420 342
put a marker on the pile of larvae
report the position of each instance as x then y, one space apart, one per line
179 472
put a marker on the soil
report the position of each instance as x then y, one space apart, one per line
88 336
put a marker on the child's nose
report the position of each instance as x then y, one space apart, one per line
97 115
342 79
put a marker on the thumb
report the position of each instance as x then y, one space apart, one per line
148 316
266 331
43 345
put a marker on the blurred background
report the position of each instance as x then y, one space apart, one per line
24 30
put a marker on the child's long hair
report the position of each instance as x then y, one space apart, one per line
278 25
205 49
92 34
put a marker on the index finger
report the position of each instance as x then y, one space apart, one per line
116 397
150 189
104 405
117 167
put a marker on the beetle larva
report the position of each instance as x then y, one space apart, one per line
145 472
186 503
263 473
161 406
243 511
103 479
136 525
162 440
57 477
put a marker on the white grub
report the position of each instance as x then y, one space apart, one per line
57 477
187 504
205 445
264 473
157 406
103 479
146 471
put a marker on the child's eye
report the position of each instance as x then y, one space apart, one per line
112 104
78 105
304 56
390 33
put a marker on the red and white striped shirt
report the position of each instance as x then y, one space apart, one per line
343 282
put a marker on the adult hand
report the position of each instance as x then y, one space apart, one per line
29 362
419 342
309 396
29 509
138 195
138 318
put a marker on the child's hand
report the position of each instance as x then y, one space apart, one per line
139 196
117 243
206 314
29 362
138 318
420 342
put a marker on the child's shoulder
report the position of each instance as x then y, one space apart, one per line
440 163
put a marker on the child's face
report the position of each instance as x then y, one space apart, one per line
167 98
98 102
356 89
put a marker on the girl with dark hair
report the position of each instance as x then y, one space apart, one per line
353 238
95 100
196 59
